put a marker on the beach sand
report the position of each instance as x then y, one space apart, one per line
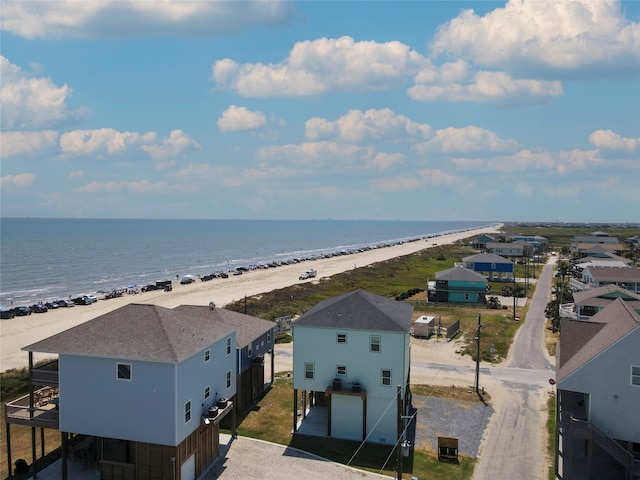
19 332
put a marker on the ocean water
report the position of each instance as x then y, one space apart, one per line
45 259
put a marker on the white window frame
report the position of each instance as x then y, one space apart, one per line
187 411
207 355
129 370
309 368
341 370
228 345
228 378
635 376
269 336
207 391
386 378
377 342
341 338
250 350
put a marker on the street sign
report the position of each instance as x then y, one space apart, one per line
552 381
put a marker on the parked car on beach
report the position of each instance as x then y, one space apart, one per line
39 308
52 305
22 311
65 303
5 314
85 300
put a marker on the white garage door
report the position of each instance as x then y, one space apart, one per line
188 469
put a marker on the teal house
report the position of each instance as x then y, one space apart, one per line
460 285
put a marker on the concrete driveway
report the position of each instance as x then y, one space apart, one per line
252 459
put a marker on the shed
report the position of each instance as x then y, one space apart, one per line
423 326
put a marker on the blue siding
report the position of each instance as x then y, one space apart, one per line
493 267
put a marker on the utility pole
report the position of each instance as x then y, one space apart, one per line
400 430
514 295
478 355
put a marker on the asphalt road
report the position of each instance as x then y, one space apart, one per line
514 445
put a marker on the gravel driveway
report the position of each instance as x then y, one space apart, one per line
440 417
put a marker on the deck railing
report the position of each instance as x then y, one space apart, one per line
44 412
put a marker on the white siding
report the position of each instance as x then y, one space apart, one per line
319 346
346 417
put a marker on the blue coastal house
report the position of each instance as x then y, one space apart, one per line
460 285
351 367
491 266
140 392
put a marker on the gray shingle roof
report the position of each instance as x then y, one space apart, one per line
460 273
614 274
247 328
607 292
139 332
360 310
585 340
486 258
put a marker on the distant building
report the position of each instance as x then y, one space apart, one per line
491 266
510 249
480 242
460 285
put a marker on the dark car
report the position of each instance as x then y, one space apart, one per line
52 305
65 303
39 308
22 311
5 314
84 300
187 280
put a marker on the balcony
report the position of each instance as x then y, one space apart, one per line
44 413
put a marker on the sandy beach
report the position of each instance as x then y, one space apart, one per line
19 332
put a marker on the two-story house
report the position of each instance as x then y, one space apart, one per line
460 285
146 386
351 362
255 337
492 266
594 276
510 249
598 395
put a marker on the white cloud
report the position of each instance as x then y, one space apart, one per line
606 139
437 177
484 86
112 142
384 161
176 144
358 126
563 162
396 184
236 118
31 144
21 180
109 140
122 18
317 66
29 102
142 187
466 139
557 36
317 153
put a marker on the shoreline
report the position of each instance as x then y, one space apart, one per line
19 332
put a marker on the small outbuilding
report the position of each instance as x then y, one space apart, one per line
424 326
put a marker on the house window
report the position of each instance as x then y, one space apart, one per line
341 337
229 346
341 370
187 411
207 392
229 379
385 378
309 369
250 350
269 336
374 343
635 375
207 355
466 296
493 266
124 371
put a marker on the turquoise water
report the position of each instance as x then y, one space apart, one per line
43 259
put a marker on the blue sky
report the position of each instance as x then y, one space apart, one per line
461 110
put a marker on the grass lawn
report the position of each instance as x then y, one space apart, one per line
272 420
